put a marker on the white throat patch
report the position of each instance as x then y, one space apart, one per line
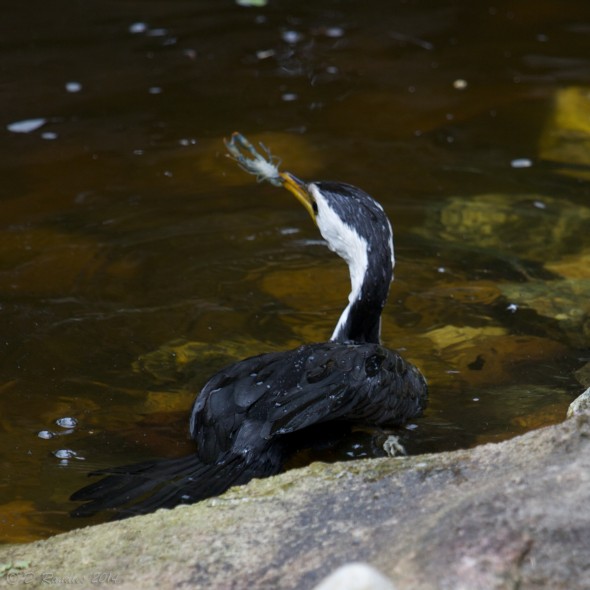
347 243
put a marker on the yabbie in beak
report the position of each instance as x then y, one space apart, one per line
265 168
299 189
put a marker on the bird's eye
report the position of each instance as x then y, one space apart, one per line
314 206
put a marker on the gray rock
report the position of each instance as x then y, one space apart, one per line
580 405
509 515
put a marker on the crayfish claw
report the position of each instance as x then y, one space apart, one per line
251 161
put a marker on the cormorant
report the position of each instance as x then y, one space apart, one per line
248 416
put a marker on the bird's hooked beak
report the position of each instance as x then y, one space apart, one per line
299 189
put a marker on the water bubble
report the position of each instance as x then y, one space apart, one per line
257 3
265 53
67 422
137 28
334 32
73 87
521 163
65 454
46 434
26 126
291 36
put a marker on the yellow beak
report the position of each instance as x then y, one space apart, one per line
299 189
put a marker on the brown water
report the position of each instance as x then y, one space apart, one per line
124 228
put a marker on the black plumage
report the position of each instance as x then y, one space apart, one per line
250 416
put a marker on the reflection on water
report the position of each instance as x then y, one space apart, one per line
135 259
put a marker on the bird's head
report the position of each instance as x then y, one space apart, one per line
353 224
356 227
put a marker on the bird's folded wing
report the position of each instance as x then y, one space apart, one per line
309 407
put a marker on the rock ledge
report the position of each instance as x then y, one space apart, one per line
509 515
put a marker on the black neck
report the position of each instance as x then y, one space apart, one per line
361 320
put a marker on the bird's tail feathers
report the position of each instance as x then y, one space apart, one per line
163 483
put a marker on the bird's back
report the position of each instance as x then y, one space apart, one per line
247 405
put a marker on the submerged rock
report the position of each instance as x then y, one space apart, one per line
565 299
177 361
573 266
486 356
498 516
566 138
583 375
523 226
